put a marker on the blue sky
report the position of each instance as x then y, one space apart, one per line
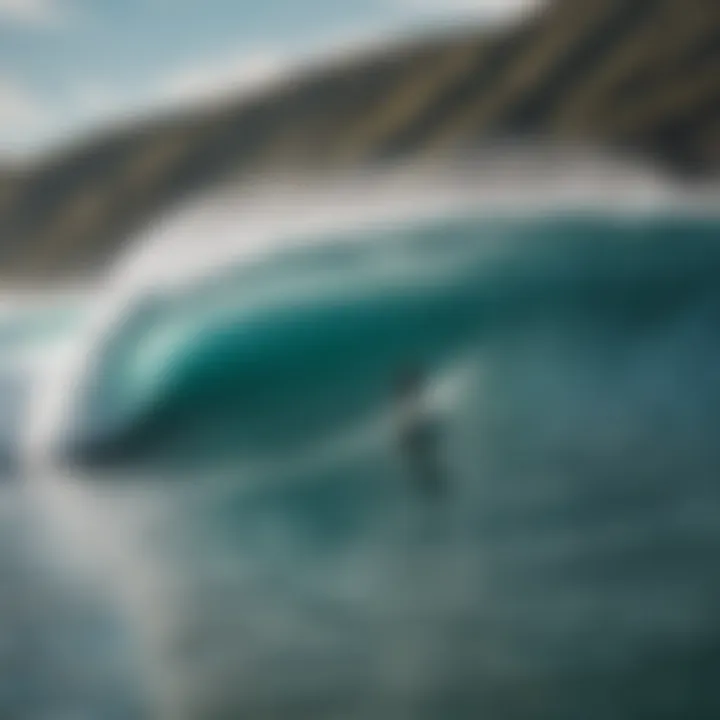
70 65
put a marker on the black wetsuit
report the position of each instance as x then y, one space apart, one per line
419 443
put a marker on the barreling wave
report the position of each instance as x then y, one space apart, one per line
321 330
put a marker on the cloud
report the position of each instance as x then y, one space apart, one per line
31 13
95 98
22 116
223 76
491 10
18 107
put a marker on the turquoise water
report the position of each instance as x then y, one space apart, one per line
570 569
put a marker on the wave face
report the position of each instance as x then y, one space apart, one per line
286 566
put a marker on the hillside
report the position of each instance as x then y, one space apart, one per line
638 75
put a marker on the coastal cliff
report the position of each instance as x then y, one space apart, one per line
637 76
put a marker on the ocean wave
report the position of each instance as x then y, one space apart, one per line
224 437
328 326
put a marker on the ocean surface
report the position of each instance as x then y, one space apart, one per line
205 514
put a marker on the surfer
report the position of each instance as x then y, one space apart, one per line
418 433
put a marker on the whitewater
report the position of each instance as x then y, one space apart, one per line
201 469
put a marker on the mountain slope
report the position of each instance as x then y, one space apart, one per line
639 75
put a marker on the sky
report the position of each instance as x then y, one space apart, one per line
70 66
